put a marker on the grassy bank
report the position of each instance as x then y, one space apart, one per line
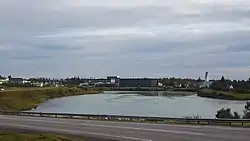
222 95
9 136
25 99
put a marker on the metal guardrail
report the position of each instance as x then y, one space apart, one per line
230 122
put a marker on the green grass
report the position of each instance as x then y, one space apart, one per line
26 99
223 95
9 136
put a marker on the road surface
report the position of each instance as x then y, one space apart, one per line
125 131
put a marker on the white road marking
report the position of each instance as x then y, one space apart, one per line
109 126
74 132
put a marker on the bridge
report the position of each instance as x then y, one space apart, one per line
122 129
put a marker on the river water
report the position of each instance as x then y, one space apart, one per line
162 104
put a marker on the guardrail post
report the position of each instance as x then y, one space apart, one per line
230 123
242 123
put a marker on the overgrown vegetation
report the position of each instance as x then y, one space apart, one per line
223 94
25 99
227 114
227 89
9 136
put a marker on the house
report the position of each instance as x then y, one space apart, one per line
205 84
231 87
37 84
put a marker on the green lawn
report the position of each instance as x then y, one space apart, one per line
9 136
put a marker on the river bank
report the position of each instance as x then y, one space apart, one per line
208 93
26 99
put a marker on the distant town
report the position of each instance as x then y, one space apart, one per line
109 81
122 83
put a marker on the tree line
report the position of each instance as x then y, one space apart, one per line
239 86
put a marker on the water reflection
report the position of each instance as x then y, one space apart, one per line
164 104
154 93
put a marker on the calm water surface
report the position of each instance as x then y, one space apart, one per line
140 104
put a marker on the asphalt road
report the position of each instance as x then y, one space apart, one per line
124 131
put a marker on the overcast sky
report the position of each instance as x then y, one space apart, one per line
145 38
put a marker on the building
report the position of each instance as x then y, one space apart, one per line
26 82
206 76
37 84
110 81
206 83
4 80
94 81
138 82
113 79
231 87
16 80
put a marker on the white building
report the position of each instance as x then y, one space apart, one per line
231 87
38 84
4 81
26 82
206 83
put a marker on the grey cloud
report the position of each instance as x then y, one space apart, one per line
185 40
31 57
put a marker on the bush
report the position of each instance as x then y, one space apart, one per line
226 114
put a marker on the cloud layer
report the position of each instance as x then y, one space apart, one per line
155 38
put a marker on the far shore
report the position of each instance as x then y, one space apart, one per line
151 89
209 93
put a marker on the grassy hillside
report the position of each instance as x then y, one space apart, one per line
223 95
8 136
25 99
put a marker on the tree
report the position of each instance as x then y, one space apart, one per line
226 114
247 111
9 76
222 79
236 115
199 79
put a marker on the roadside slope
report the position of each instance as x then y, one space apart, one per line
19 100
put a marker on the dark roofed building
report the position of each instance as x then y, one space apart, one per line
16 80
138 82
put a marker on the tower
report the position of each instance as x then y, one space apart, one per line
206 75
